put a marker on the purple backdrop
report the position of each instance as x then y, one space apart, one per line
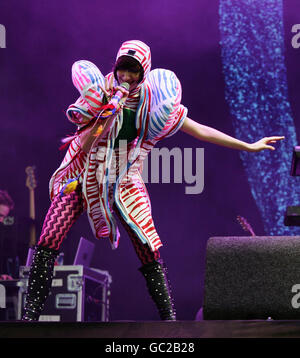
43 40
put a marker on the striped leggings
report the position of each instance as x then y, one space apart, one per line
63 213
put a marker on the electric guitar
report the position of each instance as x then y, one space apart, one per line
31 184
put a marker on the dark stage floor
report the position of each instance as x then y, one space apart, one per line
178 329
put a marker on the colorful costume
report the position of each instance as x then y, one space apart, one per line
110 174
159 114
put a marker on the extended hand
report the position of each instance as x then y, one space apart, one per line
264 143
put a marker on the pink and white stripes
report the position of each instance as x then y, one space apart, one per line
138 50
159 114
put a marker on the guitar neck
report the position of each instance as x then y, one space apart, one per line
31 204
31 184
252 232
32 234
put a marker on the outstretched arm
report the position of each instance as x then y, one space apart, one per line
214 136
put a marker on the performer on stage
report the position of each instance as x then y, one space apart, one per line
6 205
117 126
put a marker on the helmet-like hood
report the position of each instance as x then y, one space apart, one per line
139 51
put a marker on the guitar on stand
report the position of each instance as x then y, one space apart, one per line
31 184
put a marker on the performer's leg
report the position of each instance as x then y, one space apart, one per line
155 272
61 215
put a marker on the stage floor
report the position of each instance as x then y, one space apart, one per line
149 329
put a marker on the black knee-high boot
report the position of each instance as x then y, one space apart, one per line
39 282
158 285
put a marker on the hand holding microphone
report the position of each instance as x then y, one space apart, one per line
88 138
122 91
114 103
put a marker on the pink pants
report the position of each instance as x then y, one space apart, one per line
63 213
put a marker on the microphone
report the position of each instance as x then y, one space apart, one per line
110 108
118 95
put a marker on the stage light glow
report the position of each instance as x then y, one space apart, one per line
256 90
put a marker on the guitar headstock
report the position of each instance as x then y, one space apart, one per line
245 225
30 180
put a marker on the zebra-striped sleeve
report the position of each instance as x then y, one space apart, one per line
176 123
88 79
79 112
166 112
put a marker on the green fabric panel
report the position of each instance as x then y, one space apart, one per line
128 130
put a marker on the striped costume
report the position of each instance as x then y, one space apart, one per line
110 180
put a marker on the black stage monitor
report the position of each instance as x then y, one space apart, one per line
295 170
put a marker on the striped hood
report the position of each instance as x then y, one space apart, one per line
140 52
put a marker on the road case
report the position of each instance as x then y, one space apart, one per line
78 293
9 294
